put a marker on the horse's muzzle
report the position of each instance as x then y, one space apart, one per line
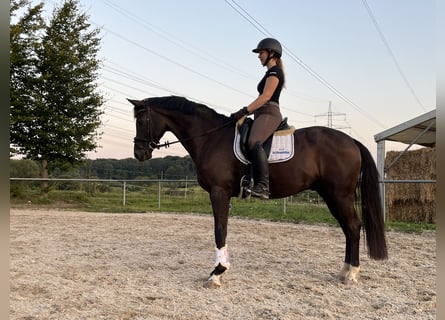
142 154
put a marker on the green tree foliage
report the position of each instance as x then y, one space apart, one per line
170 167
24 169
55 105
129 169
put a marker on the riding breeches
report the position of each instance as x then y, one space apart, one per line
266 121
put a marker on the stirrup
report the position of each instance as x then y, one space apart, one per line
263 193
246 185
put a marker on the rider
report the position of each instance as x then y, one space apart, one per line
267 115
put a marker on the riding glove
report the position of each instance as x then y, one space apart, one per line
239 114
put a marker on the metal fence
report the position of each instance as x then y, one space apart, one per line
125 184
161 187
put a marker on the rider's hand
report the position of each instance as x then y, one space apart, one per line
239 114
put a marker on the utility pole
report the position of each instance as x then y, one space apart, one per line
330 116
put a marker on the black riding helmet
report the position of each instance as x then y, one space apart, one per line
269 44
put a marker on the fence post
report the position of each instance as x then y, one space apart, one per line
185 193
284 205
159 194
125 187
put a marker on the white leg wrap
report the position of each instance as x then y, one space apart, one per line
222 256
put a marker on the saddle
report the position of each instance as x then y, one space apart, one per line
244 126
279 147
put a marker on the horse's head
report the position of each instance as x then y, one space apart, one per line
148 130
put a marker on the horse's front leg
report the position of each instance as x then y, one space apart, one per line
220 205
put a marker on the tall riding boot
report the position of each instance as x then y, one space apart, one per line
260 171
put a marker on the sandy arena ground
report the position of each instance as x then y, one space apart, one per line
77 265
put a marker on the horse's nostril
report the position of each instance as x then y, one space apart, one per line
139 156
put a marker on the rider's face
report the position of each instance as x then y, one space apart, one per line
262 55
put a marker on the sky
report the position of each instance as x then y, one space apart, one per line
372 62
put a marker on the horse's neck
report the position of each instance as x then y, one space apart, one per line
194 133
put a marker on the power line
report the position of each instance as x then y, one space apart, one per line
118 110
391 53
178 42
143 80
248 17
137 79
172 61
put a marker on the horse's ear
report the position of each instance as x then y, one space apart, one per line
136 103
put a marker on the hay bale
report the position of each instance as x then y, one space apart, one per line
411 202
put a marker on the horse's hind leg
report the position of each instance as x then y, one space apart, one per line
220 206
342 208
351 226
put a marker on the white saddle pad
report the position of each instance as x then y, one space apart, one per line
282 148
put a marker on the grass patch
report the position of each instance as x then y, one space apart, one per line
409 227
147 197
273 210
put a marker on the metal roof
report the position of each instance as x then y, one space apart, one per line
420 130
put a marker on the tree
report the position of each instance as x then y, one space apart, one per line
60 117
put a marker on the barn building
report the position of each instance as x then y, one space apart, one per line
408 178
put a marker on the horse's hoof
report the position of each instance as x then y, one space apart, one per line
349 281
211 285
350 277
214 282
344 272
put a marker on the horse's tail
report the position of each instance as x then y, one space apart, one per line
371 206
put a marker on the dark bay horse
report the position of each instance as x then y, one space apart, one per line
328 161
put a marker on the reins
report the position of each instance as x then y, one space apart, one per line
156 145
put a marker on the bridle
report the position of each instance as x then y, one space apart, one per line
152 144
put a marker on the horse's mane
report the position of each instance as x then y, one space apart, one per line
184 106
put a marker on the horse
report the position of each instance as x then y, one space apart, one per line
339 168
